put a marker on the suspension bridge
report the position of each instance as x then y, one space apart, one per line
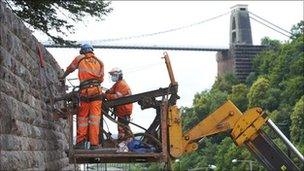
236 59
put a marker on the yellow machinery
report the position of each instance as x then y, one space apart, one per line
244 127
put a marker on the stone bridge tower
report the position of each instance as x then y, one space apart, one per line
240 28
238 59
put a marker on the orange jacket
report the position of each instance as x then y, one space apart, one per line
89 67
120 89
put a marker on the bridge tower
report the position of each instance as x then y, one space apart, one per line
238 59
240 28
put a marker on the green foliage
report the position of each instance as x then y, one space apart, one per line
239 96
251 78
264 62
257 95
272 99
56 15
281 117
206 102
200 159
293 89
297 30
272 44
284 70
189 118
297 124
225 83
227 151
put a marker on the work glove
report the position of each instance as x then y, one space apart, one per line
65 74
61 79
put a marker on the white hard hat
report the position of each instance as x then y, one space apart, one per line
115 71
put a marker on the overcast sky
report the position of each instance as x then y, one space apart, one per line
195 71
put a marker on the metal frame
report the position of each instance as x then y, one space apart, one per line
145 100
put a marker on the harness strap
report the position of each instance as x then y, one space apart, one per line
91 98
89 83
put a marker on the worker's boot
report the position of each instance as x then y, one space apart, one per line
80 145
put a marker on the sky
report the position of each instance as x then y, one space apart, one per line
144 70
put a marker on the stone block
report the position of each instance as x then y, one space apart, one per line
9 89
5 58
14 160
62 163
11 142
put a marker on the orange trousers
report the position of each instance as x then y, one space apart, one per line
88 122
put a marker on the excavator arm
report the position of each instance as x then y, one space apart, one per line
244 129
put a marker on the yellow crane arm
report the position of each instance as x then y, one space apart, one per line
227 117
244 128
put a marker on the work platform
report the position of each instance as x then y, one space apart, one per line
155 136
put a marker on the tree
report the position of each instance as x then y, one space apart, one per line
272 44
297 124
203 104
297 30
207 102
257 93
56 15
239 96
251 78
226 151
224 83
293 89
281 117
199 159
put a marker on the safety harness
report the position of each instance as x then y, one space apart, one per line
88 84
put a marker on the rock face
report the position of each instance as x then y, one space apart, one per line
30 139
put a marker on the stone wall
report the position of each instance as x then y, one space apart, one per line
30 139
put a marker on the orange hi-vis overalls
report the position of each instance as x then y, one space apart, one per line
88 120
123 112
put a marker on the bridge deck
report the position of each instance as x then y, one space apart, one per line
143 47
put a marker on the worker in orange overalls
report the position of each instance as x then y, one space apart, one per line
90 74
123 112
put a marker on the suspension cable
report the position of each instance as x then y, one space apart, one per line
270 23
270 27
165 31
